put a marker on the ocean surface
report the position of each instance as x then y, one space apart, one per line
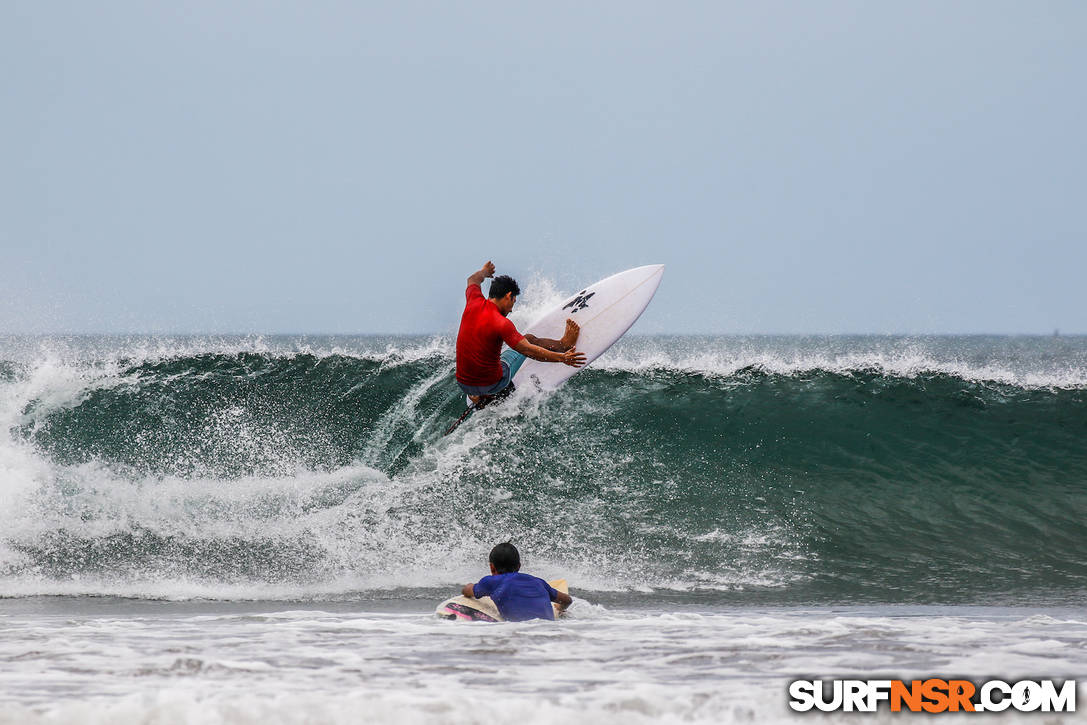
257 529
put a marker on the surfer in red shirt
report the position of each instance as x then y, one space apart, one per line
481 372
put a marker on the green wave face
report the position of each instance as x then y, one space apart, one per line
325 474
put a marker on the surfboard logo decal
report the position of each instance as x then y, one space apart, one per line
455 610
580 302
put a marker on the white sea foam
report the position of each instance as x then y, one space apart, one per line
1026 362
908 358
165 664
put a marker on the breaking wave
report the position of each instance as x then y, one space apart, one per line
774 469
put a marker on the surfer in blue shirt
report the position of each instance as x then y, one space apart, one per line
518 596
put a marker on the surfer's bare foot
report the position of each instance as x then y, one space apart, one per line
570 336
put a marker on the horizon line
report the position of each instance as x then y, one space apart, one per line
1055 333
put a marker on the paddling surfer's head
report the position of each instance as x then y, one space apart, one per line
503 292
504 559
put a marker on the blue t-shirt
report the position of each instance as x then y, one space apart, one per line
518 596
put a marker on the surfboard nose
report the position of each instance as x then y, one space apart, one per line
655 270
648 270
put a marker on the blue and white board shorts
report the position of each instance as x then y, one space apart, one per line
510 360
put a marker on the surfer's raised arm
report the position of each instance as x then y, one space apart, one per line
487 270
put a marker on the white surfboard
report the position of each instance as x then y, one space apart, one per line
604 310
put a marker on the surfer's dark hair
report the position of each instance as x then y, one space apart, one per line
506 558
502 284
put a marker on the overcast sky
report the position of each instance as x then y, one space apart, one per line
809 167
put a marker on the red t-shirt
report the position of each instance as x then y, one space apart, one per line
479 342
